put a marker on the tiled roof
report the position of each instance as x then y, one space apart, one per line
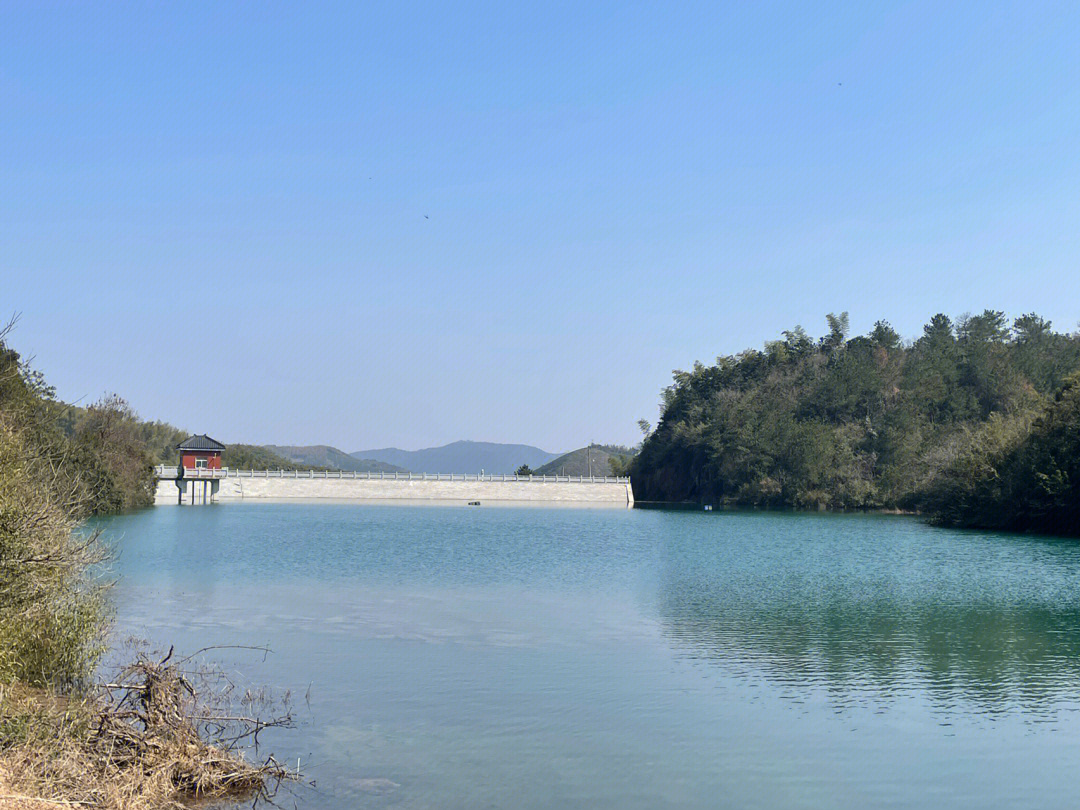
200 442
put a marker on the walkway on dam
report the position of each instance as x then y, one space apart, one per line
200 485
201 473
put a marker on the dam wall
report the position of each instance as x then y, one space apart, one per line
275 485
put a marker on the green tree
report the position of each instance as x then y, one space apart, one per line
121 470
856 422
838 331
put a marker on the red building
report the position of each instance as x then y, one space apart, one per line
200 452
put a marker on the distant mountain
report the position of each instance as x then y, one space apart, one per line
462 457
321 455
596 457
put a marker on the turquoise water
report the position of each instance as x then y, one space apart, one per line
603 658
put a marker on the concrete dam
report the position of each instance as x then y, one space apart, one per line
199 486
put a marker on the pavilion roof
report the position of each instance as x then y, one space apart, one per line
200 442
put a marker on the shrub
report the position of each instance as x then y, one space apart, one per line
54 612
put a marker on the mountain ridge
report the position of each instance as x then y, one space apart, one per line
461 457
323 455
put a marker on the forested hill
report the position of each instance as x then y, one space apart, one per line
596 459
855 423
462 457
327 457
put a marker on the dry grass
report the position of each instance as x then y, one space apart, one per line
140 743
10 799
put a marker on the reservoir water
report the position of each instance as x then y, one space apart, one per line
448 657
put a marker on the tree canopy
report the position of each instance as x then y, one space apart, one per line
854 422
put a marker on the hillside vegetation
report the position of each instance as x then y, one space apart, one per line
867 422
1019 475
158 440
322 456
98 455
596 459
462 457
260 457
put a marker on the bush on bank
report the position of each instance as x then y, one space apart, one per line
66 739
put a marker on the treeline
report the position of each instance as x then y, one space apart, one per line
952 423
159 439
104 453
1018 477
99 456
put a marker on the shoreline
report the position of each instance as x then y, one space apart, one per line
698 506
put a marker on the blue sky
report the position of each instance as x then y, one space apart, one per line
409 223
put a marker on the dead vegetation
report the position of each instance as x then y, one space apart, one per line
150 739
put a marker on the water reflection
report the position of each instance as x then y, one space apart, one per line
470 657
965 620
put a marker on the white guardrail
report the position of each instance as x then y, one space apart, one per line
202 472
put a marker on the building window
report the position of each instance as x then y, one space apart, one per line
200 464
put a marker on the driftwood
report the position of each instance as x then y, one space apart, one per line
170 712
160 732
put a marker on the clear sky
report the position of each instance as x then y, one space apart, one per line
408 223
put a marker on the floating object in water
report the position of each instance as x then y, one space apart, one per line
474 503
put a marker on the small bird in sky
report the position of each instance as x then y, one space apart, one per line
426 216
